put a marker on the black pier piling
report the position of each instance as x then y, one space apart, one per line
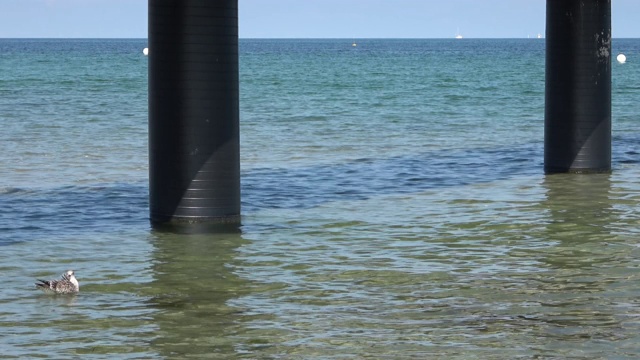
194 152
578 86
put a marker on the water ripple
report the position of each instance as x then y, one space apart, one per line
363 178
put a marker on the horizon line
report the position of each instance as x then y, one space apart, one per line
293 38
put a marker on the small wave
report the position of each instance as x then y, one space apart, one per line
11 190
369 177
73 208
8 242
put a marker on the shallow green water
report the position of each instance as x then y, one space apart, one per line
394 206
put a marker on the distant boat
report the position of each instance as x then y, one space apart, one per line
354 44
458 35
539 36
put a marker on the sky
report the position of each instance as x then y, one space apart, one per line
351 19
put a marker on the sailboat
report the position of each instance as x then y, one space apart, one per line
458 35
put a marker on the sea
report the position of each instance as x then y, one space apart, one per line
394 206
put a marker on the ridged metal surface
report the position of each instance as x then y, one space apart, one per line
578 86
194 156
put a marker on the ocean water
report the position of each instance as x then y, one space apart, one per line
394 206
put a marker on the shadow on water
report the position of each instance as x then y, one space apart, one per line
32 213
39 212
108 206
310 186
194 280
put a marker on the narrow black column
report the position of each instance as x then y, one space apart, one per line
194 155
578 86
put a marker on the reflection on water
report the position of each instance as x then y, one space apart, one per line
560 302
579 303
580 207
404 214
526 265
193 280
533 264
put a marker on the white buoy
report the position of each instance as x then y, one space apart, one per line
145 51
621 58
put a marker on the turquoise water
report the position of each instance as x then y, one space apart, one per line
394 206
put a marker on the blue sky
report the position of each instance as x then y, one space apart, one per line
306 18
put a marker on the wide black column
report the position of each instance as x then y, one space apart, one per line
194 155
578 86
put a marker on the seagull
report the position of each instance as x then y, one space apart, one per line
68 284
